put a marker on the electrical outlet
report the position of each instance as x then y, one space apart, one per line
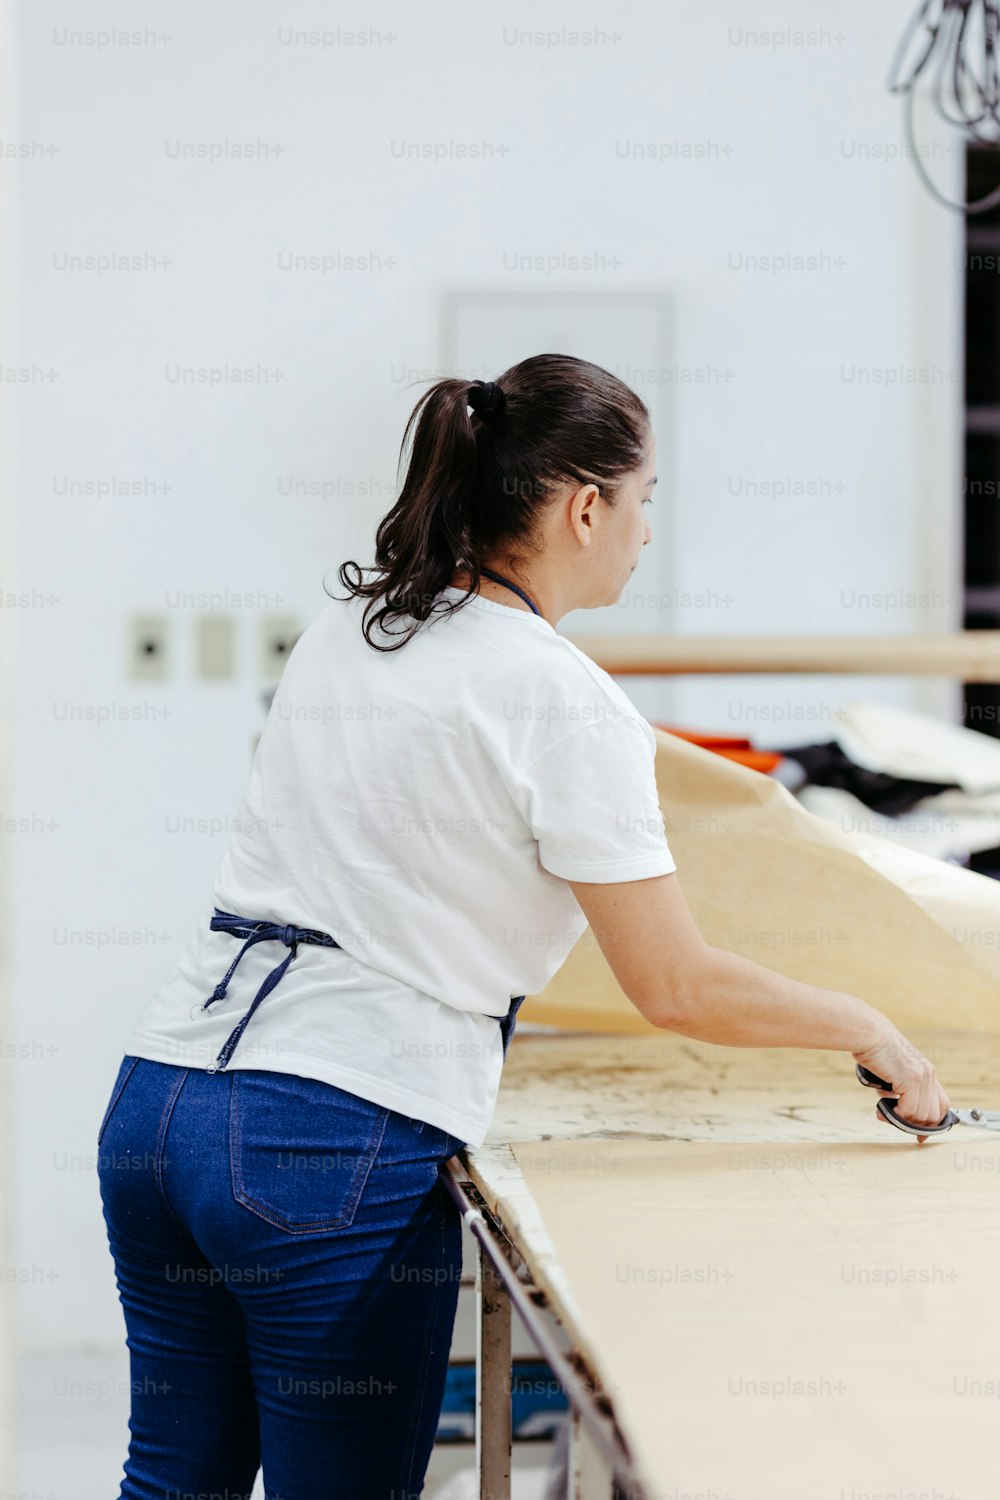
278 634
147 647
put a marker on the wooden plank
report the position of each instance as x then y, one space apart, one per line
606 1136
602 1089
770 1328
971 655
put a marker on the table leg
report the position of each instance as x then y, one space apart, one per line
493 1381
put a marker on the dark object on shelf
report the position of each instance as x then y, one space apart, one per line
827 765
985 862
952 44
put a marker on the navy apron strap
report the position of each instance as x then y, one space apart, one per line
262 932
257 932
509 1021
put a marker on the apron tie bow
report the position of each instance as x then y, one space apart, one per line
257 932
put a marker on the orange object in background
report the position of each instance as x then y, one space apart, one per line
731 746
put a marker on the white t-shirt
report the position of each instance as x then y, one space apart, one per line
426 808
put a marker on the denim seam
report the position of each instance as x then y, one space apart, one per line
418 1406
161 1136
246 1198
113 1101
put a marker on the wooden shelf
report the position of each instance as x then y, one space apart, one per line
972 655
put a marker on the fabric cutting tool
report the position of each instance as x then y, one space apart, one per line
984 1119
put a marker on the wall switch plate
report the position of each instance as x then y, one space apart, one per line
148 657
214 646
278 634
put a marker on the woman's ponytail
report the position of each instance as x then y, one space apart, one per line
479 480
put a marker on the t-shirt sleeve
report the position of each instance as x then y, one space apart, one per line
592 803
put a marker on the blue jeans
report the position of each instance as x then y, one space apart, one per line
288 1264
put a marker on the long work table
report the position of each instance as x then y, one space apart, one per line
751 1288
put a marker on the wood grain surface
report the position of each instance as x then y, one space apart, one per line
781 1295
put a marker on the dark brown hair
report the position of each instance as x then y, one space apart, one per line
478 482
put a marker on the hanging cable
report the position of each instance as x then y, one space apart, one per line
953 45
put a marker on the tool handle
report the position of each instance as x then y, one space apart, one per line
872 1080
887 1107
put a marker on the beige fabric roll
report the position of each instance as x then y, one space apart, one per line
763 877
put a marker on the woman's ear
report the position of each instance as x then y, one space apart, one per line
582 508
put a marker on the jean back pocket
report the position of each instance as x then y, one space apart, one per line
300 1149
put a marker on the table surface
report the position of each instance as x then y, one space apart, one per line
593 1160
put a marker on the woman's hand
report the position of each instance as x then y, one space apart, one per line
921 1099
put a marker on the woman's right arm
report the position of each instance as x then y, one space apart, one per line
680 983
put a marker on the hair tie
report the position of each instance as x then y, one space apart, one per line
486 398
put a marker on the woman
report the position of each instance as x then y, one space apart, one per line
445 793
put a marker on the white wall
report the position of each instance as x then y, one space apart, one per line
98 857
